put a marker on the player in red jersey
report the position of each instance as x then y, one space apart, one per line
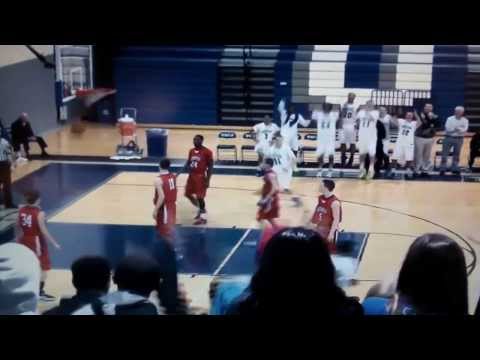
32 232
199 167
328 213
269 204
165 201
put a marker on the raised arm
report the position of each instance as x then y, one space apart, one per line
303 122
281 106
282 110
417 117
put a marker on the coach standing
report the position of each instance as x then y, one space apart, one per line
424 139
455 128
6 161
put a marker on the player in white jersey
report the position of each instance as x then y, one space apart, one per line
326 129
348 136
404 147
383 160
367 119
263 136
284 162
289 125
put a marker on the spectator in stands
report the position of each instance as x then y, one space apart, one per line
19 280
136 277
424 139
91 278
22 134
432 281
382 161
455 129
474 149
295 276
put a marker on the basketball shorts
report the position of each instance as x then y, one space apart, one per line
403 152
292 141
325 147
270 210
324 234
348 136
262 148
40 248
367 146
196 185
166 219
284 177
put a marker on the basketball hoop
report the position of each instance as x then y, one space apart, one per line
91 96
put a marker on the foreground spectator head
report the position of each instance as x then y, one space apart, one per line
433 277
137 274
296 275
91 273
19 280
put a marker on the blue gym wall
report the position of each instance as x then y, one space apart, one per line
179 85
27 86
171 85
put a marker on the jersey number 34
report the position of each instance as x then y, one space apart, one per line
26 220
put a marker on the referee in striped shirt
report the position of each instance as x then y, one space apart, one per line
6 163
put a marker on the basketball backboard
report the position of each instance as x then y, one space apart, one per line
74 69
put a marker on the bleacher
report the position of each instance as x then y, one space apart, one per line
240 84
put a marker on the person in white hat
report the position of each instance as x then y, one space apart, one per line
19 280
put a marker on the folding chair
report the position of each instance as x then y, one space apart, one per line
224 147
245 148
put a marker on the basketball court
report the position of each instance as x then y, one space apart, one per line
99 207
